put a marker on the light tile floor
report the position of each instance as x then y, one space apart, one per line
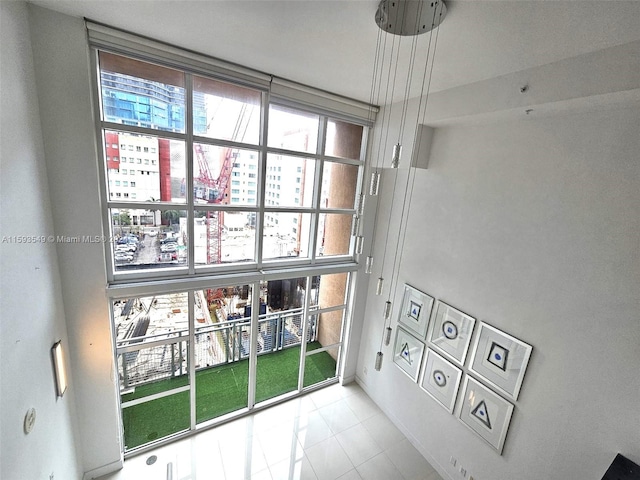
333 433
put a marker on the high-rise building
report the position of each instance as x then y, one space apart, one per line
144 103
139 167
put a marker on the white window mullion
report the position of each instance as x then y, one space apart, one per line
305 333
189 173
262 176
133 129
102 164
347 316
253 339
317 189
191 352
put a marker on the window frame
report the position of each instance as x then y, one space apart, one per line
263 150
190 278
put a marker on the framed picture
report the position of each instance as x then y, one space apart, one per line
441 380
485 412
500 359
407 353
415 311
451 332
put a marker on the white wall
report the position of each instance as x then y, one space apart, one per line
32 310
531 225
64 94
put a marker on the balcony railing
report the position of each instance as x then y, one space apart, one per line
147 359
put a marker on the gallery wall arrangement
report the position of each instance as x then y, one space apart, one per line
431 347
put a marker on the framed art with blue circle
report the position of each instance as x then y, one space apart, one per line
441 380
485 413
500 360
451 332
415 311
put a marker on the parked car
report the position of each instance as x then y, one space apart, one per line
121 257
169 247
126 247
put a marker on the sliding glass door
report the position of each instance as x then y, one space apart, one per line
222 347
184 359
152 352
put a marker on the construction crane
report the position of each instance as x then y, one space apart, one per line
212 190
216 190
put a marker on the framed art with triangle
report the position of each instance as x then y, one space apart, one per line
485 413
407 353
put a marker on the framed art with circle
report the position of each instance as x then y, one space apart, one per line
451 332
500 360
441 380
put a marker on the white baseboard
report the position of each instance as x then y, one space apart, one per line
348 380
104 470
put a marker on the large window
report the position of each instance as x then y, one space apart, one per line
207 191
231 217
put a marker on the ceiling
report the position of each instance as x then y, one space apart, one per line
331 44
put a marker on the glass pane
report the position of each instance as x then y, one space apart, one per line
312 333
147 371
146 239
221 324
143 168
224 237
225 175
289 181
277 373
329 290
329 327
280 332
141 94
286 234
339 183
293 130
320 366
221 390
221 351
151 421
334 234
283 295
226 111
147 319
344 139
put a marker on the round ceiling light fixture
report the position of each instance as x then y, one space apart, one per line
410 17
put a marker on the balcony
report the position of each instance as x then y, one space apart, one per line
154 371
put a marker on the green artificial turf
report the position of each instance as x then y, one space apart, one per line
318 367
219 390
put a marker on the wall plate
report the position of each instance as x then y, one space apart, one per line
29 420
